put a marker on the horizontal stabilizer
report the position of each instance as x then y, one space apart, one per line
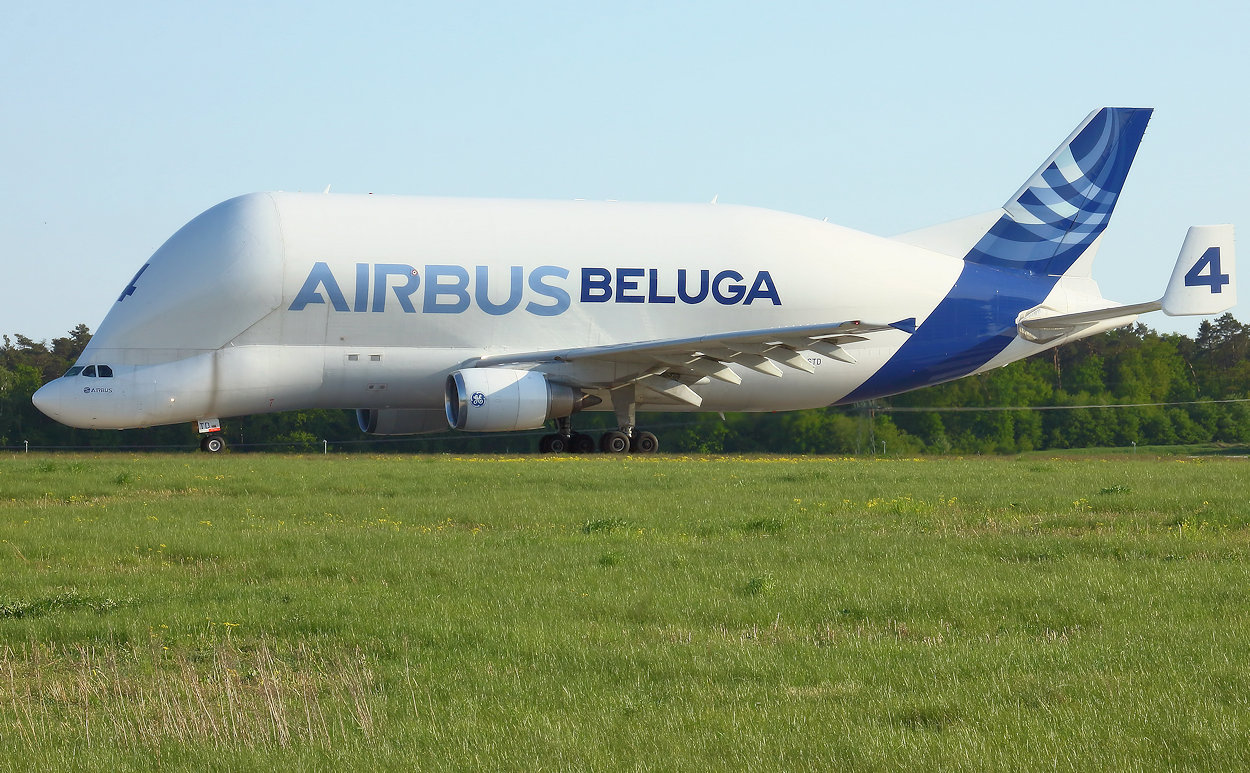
1042 329
1203 282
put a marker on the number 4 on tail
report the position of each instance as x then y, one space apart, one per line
1215 279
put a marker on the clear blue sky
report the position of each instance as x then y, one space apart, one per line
123 120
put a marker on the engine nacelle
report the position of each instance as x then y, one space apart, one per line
401 421
500 400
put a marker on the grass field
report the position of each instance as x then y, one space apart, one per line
594 613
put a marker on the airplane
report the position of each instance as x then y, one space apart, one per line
488 315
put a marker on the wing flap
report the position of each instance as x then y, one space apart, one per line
674 390
704 366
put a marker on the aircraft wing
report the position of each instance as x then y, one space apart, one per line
667 366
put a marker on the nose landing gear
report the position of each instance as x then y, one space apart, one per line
213 440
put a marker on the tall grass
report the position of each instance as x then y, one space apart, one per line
603 613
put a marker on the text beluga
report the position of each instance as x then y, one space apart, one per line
545 291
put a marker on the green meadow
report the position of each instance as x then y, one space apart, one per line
602 613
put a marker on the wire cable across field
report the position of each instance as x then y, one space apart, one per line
961 408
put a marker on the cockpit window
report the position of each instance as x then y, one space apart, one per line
104 371
89 371
74 371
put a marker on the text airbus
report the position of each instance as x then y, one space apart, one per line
543 291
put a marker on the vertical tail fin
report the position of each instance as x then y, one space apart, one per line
1067 203
1205 278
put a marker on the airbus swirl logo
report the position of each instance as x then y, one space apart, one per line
478 399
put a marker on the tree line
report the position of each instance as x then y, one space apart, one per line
1179 384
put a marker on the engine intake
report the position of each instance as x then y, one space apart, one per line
500 400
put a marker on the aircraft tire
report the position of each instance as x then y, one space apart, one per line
213 444
644 443
581 443
557 444
614 442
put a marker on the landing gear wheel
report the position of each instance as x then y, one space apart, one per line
582 443
213 444
557 444
614 442
544 444
644 443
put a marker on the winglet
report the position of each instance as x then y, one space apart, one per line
1205 278
906 325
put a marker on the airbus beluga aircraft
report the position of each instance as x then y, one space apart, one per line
493 315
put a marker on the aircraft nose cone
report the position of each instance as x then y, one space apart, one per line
86 403
47 398
56 400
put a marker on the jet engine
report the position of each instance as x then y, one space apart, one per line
401 421
499 400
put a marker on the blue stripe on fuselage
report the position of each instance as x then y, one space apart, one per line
973 323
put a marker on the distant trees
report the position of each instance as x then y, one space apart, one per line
1131 366
25 365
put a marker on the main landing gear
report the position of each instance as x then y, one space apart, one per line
611 442
618 441
565 440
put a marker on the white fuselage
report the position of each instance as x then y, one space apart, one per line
273 302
